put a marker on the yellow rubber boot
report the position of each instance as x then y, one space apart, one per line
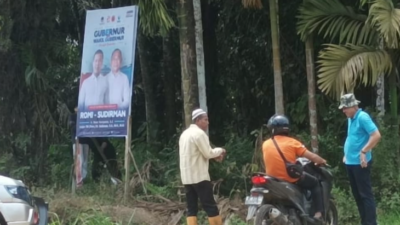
191 220
216 220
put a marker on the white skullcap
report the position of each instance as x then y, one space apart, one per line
197 112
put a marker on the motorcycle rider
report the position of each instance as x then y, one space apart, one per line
291 149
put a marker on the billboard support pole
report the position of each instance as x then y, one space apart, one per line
73 185
127 159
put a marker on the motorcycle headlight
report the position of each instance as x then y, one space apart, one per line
20 193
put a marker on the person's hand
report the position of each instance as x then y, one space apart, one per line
223 152
321 163
363 160
220 158
344 159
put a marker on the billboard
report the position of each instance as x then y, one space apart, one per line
106 80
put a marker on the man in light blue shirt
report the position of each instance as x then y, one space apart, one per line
362 136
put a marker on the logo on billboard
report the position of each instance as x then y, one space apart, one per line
129 13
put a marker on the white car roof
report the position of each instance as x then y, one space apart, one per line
10 181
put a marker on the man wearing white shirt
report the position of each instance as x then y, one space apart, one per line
194 155
118 83
94 90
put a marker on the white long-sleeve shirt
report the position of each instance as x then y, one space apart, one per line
94 91
119 91
194 154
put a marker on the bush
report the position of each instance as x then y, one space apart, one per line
236 169
347 209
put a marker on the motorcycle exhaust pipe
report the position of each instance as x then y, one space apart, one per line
278 217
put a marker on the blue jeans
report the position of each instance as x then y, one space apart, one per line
360 182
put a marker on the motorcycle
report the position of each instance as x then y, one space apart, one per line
276 202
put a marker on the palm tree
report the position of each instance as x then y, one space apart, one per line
343 66
273 10
366 49
190 93
312 104
200 54
154 21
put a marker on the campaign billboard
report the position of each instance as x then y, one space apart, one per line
106 80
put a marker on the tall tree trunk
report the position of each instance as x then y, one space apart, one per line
188 59
380 89
312 104
380 95
169 87
215 90
273 8
148 88
394 110
201 79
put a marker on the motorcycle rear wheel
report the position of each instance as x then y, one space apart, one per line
262 215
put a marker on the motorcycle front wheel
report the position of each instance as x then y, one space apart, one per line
262 216
332 217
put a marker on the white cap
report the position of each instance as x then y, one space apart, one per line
197 112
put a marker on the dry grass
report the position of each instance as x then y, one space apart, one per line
107 200
152 210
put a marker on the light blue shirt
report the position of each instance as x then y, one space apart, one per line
359 129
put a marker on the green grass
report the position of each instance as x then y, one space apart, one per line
389 219
93 218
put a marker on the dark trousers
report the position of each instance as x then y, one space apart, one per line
309 182
360 182
204 192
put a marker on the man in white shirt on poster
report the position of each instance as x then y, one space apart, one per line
118 83
94 90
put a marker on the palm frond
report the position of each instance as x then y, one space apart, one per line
340 67
154 17
332 19
386 18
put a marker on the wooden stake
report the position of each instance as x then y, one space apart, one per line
140 176
127 159
74 150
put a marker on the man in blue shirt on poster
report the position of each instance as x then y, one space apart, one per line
362 136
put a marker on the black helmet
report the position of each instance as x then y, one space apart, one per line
278 124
